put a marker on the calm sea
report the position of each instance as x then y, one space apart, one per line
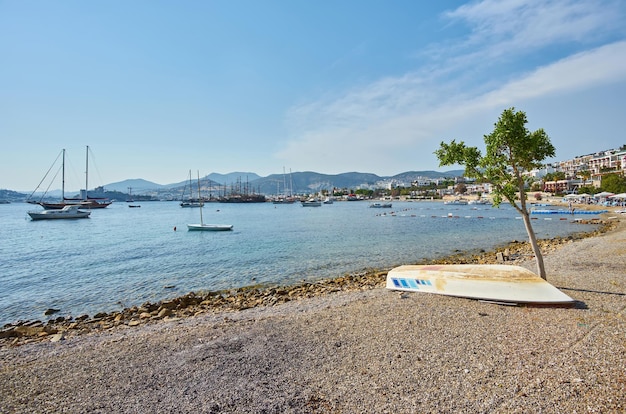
123 256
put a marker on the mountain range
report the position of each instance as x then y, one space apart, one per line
294 183
298 182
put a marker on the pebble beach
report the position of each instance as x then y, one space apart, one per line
345 345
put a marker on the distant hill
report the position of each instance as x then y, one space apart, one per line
11 196
414 175
138 185
233 177
299 182
307 182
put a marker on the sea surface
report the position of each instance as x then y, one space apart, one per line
121 256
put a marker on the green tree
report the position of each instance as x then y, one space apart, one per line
555 176
614 183
511 149
587 189
460 188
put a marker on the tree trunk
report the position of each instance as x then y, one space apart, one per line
541 270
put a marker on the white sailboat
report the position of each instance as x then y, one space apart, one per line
84 201
207 227
191 202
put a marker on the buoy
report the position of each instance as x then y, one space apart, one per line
174 228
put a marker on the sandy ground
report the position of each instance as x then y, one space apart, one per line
373 351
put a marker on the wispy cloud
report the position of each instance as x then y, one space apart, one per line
394 115
510 27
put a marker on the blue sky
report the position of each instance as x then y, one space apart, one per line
158 88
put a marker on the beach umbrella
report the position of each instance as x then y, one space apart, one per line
584 195
603 194
620 195
572 196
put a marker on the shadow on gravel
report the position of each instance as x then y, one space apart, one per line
593 291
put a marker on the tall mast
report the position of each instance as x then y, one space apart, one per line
63 178
86 172
199 199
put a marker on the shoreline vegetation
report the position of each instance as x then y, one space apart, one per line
233 300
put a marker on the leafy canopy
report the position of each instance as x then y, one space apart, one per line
511 149
614 183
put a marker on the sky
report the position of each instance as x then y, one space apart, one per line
158 88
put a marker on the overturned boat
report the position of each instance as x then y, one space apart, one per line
496 283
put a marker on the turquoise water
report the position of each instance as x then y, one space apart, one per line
122 256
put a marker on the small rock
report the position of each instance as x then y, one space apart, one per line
57 337
50 311
164 312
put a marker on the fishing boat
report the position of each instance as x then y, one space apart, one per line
67 212
494 283
207 227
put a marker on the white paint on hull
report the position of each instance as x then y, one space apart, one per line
498 283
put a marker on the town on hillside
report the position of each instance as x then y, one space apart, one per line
585 174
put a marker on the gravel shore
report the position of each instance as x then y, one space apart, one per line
373 351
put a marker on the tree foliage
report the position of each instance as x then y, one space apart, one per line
614 183
554 176
510 150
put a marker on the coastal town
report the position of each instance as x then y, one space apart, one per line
564 177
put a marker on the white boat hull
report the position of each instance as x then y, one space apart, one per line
67 212
210 227
498 283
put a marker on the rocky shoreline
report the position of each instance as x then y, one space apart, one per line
368 350
197 303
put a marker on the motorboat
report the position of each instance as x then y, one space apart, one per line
380 205
311 202
481 201
456 202
191 203
67 212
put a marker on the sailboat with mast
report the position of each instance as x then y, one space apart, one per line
84 201
191 202
47 205
285 198
207 227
